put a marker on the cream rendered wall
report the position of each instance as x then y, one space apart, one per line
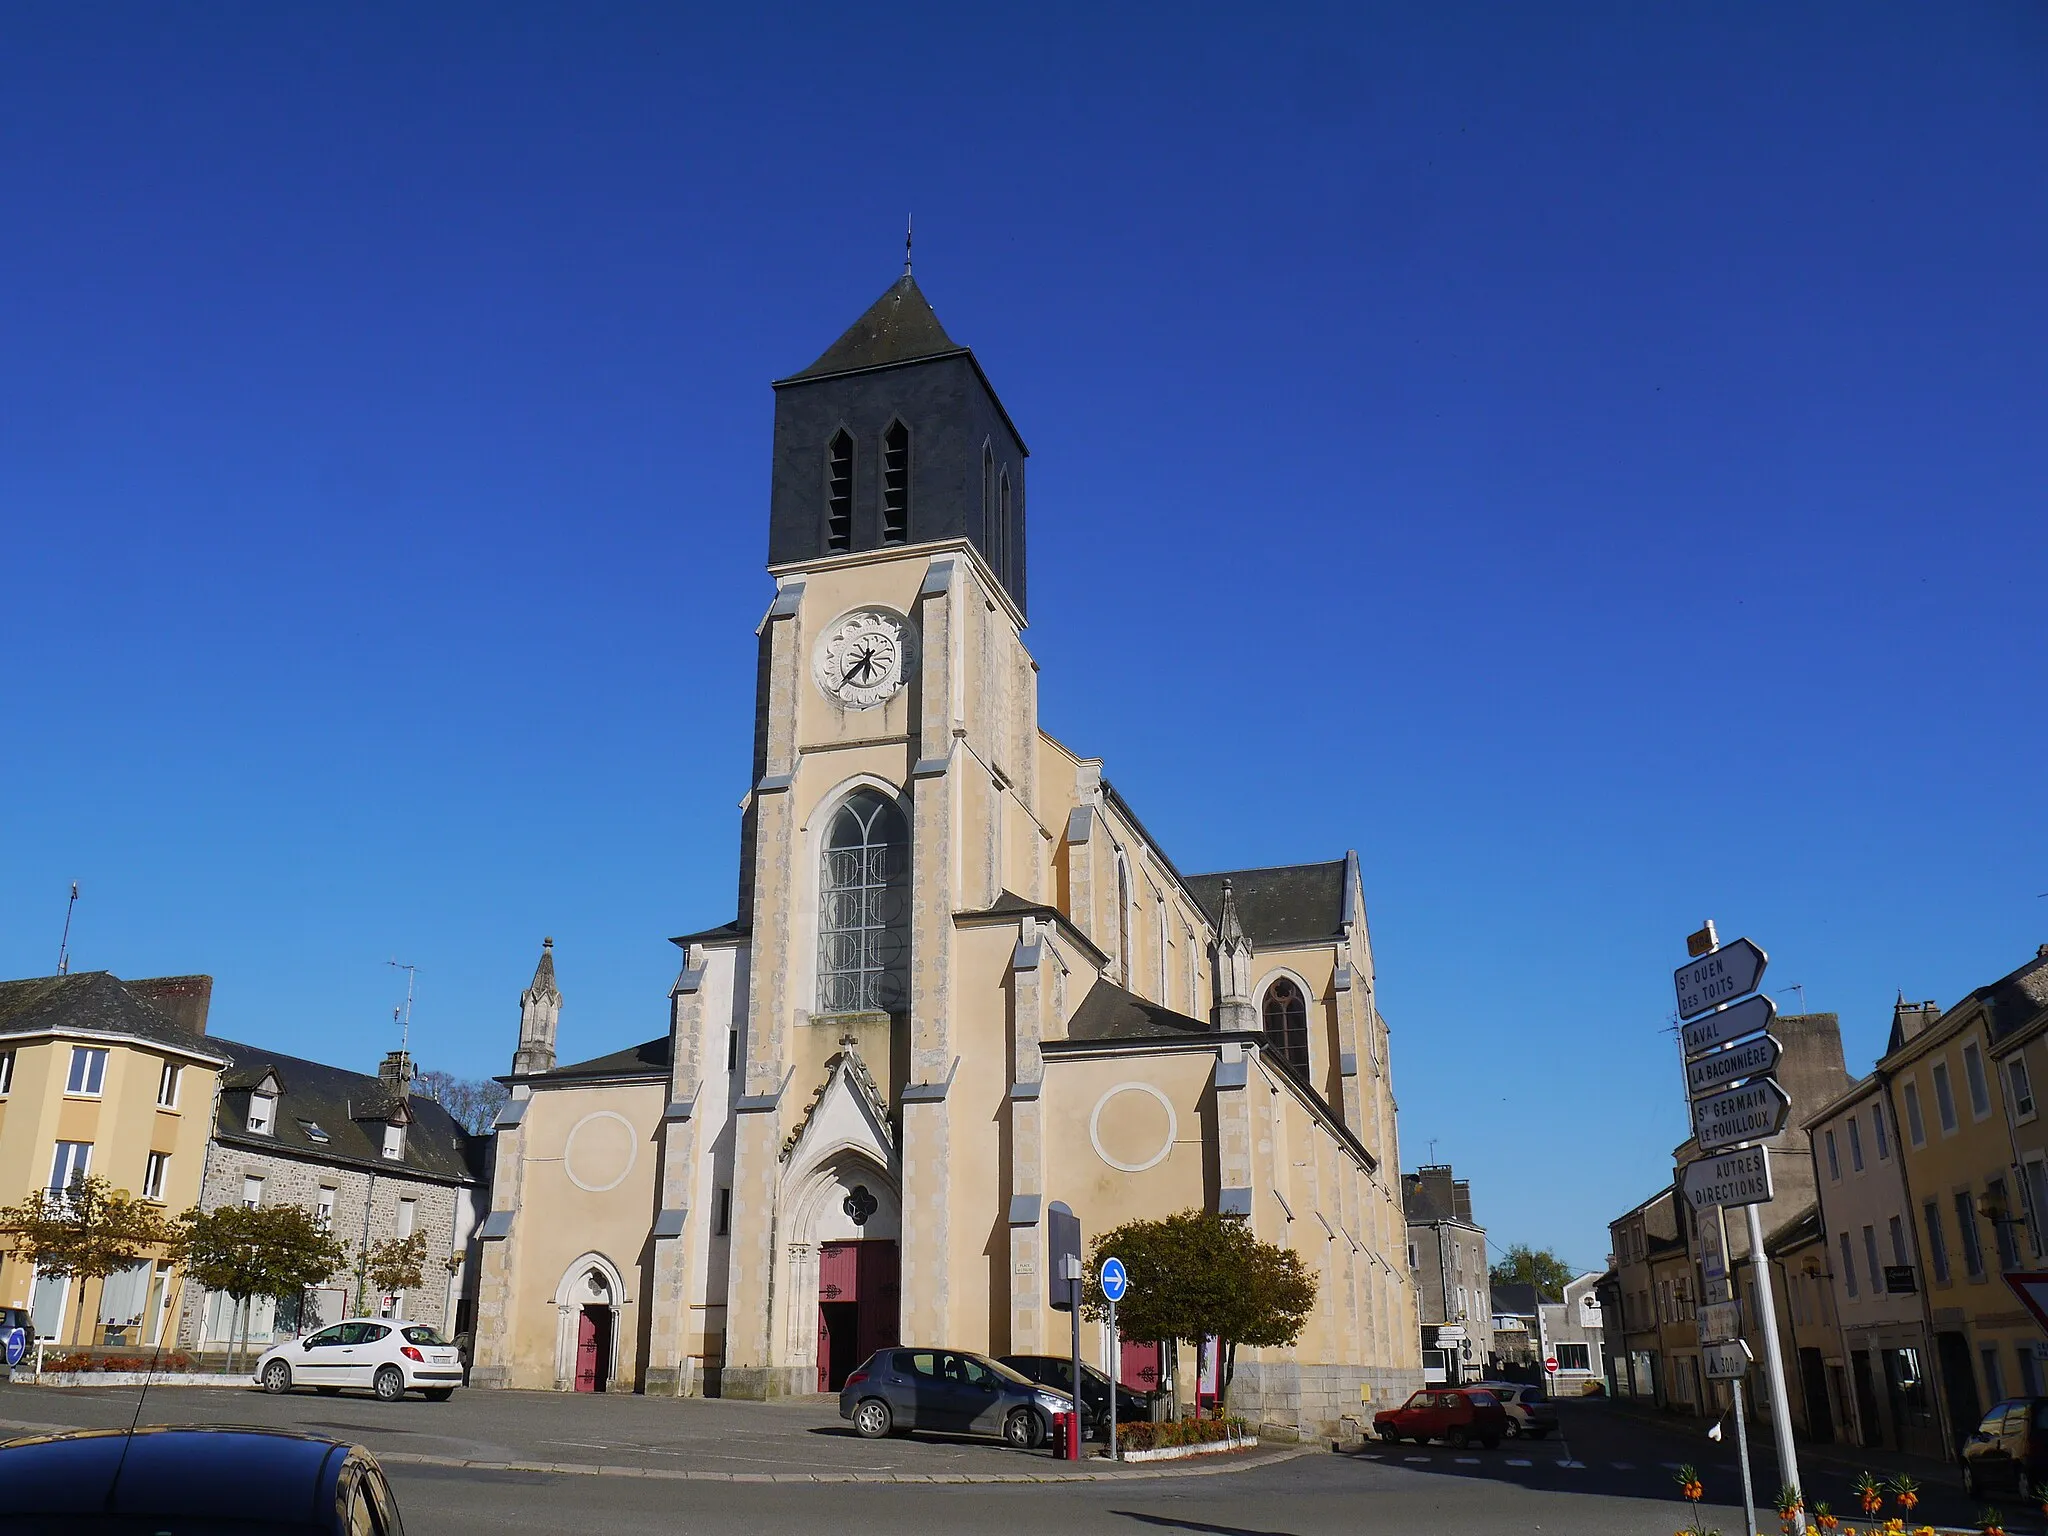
724 1010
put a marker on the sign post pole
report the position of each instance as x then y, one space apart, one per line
1735 1391
1774 1356
1114 1283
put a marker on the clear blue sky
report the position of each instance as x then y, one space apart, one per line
1588 460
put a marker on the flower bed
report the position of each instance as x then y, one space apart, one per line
176 1363
1177 1433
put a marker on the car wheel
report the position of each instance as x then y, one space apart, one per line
439 1394
1022 1430
1386 1433
1514 1429
390 1384
1459 1439
277 1378
872 1418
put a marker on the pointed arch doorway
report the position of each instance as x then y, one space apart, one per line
587 1304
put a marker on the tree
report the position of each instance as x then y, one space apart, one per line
273 1250
1198 1276
87 1231
395 1264
473 1101
1523 1265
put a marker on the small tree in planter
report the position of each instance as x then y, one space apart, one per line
87 1231
273 1250
1198 1276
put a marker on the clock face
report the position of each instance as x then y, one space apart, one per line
862 658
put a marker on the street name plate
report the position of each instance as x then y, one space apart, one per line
1717 1069
1745 1018
1721 1322
1753 1112
1726 1362
1741 1177
1719 977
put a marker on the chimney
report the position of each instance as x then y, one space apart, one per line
395 1073
1909 1019
181 999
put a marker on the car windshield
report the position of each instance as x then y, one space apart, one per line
1008 1373
148 1525
420 1333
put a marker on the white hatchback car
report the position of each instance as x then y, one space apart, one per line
372 1354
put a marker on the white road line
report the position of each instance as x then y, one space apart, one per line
1520 1461
1629 1466
1467 1461
1579 1464
1415 1458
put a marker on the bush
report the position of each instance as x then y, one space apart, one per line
1156 1437
137 1363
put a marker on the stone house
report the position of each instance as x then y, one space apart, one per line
373 1160
1447 1258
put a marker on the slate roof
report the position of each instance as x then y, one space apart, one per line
332 1098
899 327
94 1002
1516 1299
724 931
1108 1012
1289 904
650 1058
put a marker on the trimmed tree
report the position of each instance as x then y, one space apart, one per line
87 1231
274 1251
394 1264
1523 1265
1198 1276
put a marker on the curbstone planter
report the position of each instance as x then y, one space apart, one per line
1176 1452
132 1379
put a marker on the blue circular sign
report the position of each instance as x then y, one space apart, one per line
17 1345
1114 1281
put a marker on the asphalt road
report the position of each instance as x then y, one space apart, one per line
701 1465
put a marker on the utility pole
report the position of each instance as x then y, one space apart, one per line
64 944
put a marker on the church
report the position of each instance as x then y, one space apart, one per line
962 982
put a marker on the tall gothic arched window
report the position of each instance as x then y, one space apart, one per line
1286 1020
1125 958
864 908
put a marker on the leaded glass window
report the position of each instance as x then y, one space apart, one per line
864 905
1286 1020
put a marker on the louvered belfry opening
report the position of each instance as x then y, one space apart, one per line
839 492
896 484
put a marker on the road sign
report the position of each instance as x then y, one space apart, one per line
1756 1110
1451 1332
1726 1362
1717 1069
17 1345
1063 1244
1745 1018
1721 1323
2031 1288
1114 1281
1550 1365
1730 1178
1720 977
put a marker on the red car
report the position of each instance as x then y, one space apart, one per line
1460 1415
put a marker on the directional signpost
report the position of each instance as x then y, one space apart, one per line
1114 1283
1729 1056
17 1346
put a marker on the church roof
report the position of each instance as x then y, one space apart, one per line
1289 904
650 1058
1108 1012
899 327
96 1002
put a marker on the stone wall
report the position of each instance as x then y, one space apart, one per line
1312 1402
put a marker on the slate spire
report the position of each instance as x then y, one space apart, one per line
899 327
540 1012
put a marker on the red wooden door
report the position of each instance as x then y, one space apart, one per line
839 1272
1138 1366
879 1296
824 1352
588 1365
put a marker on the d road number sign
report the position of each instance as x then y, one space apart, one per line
1732 1178
1726 1362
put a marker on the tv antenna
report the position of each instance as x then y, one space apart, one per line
1793 986
64 944
404 1018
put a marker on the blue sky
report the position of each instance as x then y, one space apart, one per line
1588 460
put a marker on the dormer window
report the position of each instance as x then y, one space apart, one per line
896 483
262 1119
839 493
394 1141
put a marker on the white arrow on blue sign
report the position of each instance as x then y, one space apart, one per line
1114 1281
17 1345
1718 977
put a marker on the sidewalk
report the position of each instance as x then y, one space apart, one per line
1880 1461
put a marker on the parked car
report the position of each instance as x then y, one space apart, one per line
114 1482
2008 1451
1460 1415
1057 1372
899 1390
1531 1415
370 1354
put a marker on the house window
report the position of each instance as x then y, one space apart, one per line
71 1163
1914 1127
252 1190
1994 1379
839 493
2002 1226
313 1131
1884 1137
88 1070
1834 1163
1848 1264
262 1120
323 1209
1286 1023
1898 1230
1966 1223
1944 1099
408 1212
153 1173
394 1141
1855 1145
2030 1371
167 1085
6 1073
863 939
1973 1072
721 1221
896 483
1870 1253
1937 1245
2022 1088
1414 1261
1570 1357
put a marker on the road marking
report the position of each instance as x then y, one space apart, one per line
1415 1458
1624 1466
1520 1461
1467 1461
1568 1463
